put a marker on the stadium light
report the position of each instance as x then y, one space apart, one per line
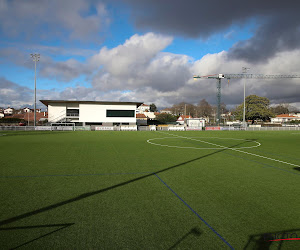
35 57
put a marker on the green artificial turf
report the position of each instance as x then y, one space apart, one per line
114 190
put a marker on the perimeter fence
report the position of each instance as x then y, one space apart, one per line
45 128
142 128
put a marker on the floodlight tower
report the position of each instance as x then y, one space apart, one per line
219 77
35 57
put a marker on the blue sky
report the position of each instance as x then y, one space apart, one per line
144 50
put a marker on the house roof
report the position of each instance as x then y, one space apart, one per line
30 116
46 102
145 104
140 116
285 116
182 117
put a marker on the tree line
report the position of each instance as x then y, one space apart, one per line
257 108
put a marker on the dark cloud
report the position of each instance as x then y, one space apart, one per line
63 71
279 33
42 20
278 22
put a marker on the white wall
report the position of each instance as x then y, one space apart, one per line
56 111
97 113
90 112
8 111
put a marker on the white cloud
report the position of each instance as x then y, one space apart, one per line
131 56
138 70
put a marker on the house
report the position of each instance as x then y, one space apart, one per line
143 108
141 119
295 114
1 115
27 110
9 111
181 119
195 123
166 110
284 118
106 113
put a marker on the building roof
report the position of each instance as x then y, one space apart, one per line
140 116
145 104
30 116
182 117
46 102
285 116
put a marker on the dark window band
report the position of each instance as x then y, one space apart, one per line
120 113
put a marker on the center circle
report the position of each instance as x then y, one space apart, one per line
211 142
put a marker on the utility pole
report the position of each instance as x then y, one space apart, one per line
219 101
244 71
35 57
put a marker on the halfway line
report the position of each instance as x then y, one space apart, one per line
194 212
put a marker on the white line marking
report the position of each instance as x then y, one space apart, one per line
268 158
192 138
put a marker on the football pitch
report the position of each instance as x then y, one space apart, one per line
150 190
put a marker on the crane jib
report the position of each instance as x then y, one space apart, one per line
249 76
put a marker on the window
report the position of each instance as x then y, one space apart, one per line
72 112
120 113
93 123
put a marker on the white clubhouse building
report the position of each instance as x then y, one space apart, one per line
103 113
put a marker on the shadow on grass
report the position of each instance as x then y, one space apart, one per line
89 194
17 133
61 227
194 232
297 168
262 241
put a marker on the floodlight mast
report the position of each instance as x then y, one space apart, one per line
35 57
219 77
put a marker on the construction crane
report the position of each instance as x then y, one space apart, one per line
219 77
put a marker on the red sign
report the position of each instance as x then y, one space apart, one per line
213 128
